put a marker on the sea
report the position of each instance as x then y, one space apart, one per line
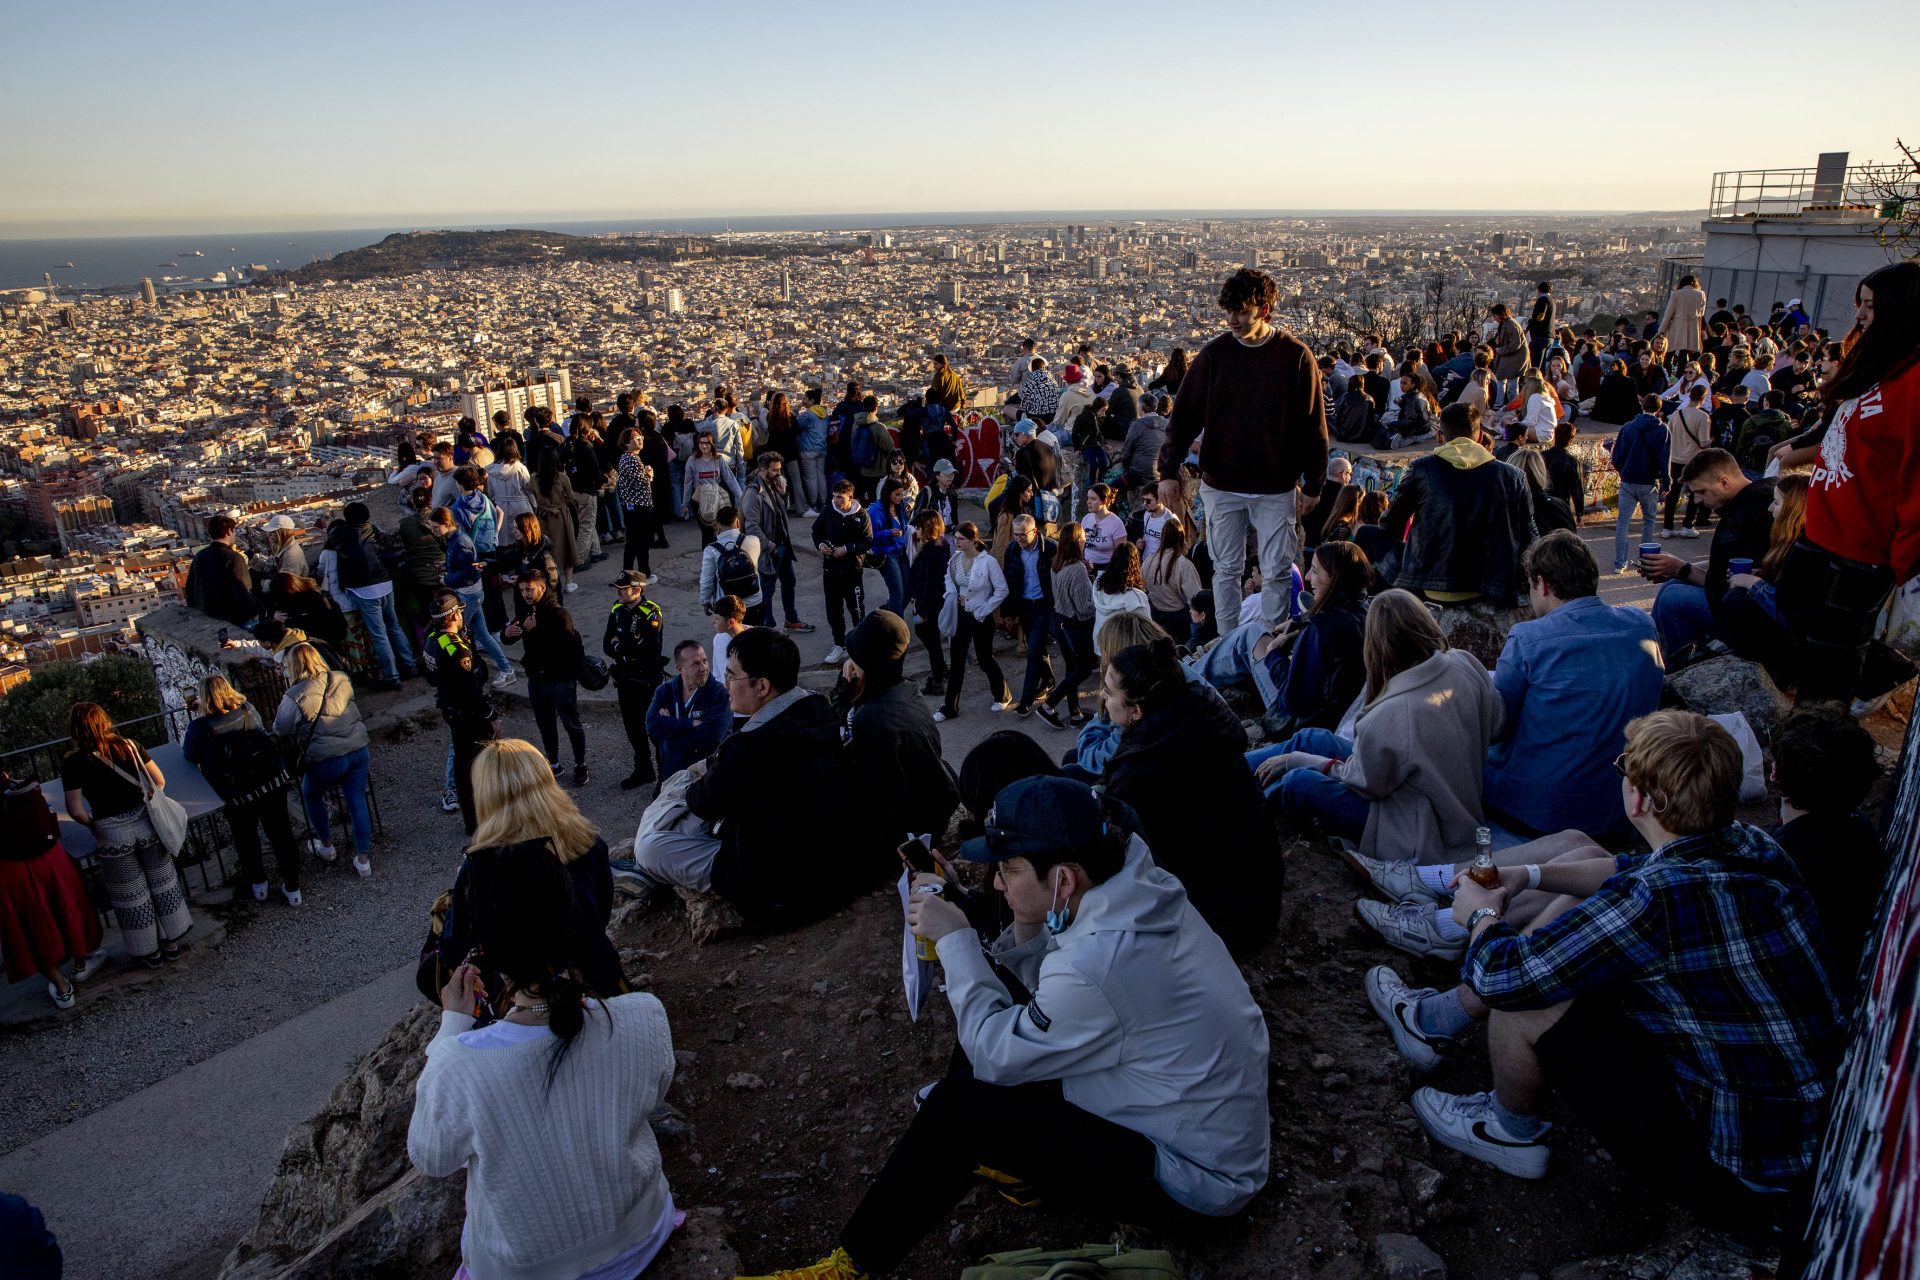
118 263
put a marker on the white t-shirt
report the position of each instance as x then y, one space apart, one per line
722 641
1153 527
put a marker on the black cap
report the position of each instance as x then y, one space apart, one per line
1046 816
880 640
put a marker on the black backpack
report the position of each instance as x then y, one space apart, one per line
244 765
737 575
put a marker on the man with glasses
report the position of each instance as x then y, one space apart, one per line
1677 1000
770 800
1687 609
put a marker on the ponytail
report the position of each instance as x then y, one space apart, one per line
566 997
1150 674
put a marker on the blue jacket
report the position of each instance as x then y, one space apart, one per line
1571 681
688 731
1324 673
890 532
1640 451
463 561
813 430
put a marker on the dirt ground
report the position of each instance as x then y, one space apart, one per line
799 1064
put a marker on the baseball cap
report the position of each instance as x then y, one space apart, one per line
1793 302
1038 816
944 467
630 578
279 522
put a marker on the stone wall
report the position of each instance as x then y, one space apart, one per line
184 645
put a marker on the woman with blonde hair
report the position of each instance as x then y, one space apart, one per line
108 779
228 743
518 806
1406 785
318 714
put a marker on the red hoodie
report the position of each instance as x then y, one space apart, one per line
1864 500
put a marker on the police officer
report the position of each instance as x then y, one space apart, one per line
460 682
633 647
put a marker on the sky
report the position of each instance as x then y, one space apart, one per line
127 117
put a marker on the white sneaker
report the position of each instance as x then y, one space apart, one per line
449 801
292 896
572 587
501 681
835 656
1395 1002
65 1002
996 705
809 515
362 866
260 891
1410 927
941 716
1686 533
91 964
1467 1123
920 1094
1394 881
324 852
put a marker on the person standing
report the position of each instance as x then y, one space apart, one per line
892 535
1681 322
1253 398
1028 569
1072 624
811 440
844 536
633 645
461 694
554 657
319 715
369 589
976 586
46 918
107 779
1640 459
765 512
217 581
1509 350
1540 324
465 577
731 565
633 496
926 591
228 743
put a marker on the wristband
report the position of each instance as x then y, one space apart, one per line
1326 770
1533 875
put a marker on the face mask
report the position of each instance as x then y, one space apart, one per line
1059 915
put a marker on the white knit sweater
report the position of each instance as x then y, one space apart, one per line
558 1180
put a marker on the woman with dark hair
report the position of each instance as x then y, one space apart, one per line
1566 477
1180 765
546 1107
1407 785
1343 514
1549 512
1863 508
634 491
658 455
559 510
975 585
554 658
783 438
1072 626
926 589
1170 579
107 779
1119 588
892 536
46 918
1173 375
1368 534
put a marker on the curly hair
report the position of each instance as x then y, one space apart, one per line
1248 287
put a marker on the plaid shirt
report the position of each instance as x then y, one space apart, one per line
1710 943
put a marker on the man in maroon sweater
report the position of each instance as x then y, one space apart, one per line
1252 395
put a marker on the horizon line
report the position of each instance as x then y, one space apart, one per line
878 220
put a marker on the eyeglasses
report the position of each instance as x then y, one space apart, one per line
731 677
1620 764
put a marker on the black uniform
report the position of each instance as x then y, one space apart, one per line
460 683
633 645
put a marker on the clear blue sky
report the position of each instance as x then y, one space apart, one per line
124 116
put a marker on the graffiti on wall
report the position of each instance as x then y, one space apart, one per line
1866 1218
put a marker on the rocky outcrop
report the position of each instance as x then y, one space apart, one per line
1724 684
1479 627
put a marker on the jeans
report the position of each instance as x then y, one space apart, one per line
558 700
1231 661
813 480
1644 496
779 560
475 616
384 630
1278 531
1075 638
1682 616
677 474
586 540
1036 624
1673 497
610 514
1310 794
350 771
893 572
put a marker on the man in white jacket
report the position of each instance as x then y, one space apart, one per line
1133 1081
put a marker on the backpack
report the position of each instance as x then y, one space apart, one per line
1089 1262
865 451
737 575
244 765
707 500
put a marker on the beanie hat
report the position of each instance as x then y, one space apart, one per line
879 642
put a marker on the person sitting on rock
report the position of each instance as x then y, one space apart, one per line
1471 517
1687 608
893 746
1696 972
1571 680
1407 783
546 1107
1132 1084
774 793
689 715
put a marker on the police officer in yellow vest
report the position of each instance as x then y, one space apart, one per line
459 675
633 646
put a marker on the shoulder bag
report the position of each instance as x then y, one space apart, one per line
163 811
294 747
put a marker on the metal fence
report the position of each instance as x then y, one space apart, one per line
1762 193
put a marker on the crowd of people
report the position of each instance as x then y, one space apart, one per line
1176 561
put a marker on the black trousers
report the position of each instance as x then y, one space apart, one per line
559 701
468 738
639 540
246 821
846 595
1036 624
1833 606
977 634
634 701
780 561
936 646
1029 1133
1075 637
1673 497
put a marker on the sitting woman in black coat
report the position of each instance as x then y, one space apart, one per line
1181 765
522 812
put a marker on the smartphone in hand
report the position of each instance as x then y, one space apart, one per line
919 859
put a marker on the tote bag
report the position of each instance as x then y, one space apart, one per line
163 811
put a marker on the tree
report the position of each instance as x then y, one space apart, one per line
123 685
1896 187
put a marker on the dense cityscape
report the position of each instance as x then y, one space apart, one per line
129 416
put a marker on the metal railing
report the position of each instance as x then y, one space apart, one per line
1748 193
42 760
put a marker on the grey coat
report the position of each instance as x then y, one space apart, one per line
328 697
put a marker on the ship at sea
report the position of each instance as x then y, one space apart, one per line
192 253
63 266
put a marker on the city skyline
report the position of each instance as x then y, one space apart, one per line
220 118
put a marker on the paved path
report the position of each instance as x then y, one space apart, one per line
162 1183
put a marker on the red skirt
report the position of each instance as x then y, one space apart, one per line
45 915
